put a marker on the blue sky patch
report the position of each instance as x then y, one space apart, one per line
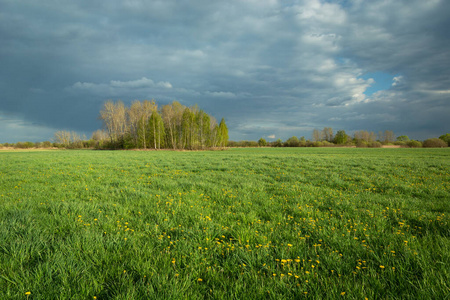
383 81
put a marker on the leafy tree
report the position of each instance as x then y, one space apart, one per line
341 137
188 128
155 130
403 138
292 142
446 138
223 133
277 143
262 142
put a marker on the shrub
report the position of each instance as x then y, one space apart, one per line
24 145
46 144
434 143
374 145
414 144
361 144
327 144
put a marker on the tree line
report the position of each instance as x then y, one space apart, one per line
361 138
173 126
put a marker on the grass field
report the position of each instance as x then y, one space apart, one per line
242 223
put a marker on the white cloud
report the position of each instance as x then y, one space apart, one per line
220 94
139 83
397 80
115 86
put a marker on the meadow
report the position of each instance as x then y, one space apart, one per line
275 223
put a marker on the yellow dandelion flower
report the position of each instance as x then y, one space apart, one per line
343 293
28 293
382 267
199 280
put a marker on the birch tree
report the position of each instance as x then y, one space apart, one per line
223 133
114 119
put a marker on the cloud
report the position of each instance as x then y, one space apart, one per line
133 84
297 65
220 94
397 80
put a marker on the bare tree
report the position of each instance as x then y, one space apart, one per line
114 119
134 115
62 137
172 116
99 135
147 108
213 127
327 134
389 136
317 135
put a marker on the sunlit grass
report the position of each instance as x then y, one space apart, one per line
244 223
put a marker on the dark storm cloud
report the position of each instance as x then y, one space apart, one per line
271 68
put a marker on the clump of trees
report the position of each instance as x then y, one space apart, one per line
173 126
69 139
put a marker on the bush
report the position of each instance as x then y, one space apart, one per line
46 144
374 145
362 144
414 144
327 144
24 145
434 143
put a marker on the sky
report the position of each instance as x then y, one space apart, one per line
272 69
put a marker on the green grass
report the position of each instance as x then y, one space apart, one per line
242 223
